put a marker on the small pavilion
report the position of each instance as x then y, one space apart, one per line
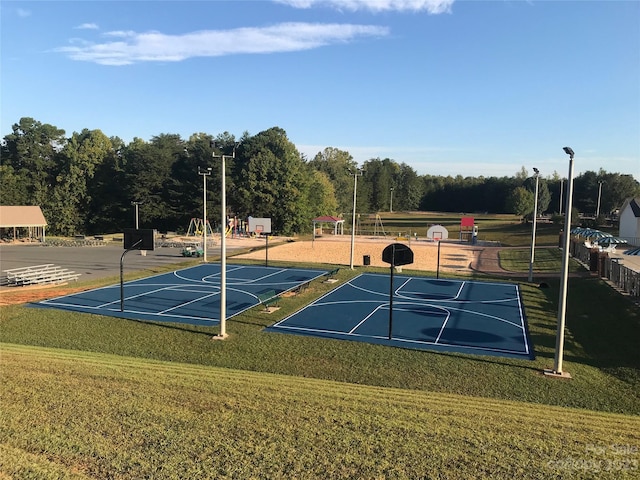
13 218
337 222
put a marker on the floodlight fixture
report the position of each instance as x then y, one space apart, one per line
136 204
568 151
536 170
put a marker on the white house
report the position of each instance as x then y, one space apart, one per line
630 220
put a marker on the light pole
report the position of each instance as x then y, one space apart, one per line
599 196
204 172
136 205
533 231
357 173
223 243
561 188
391 202
562 306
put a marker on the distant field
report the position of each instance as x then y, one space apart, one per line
506 229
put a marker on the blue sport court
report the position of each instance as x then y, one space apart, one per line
189 296
481 318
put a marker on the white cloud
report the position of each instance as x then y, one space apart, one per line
433 7
87 26
22 13
136 47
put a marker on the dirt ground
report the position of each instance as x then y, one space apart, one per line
35 293
454 257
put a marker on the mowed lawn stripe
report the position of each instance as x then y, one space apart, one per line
101 415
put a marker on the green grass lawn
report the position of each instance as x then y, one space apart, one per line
509 230
88 396
103 416
546 260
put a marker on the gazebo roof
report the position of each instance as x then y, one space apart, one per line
21 216
328 219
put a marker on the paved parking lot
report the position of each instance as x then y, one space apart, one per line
101 261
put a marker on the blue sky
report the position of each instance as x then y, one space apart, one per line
448 87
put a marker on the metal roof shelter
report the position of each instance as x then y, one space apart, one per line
28 217
337 222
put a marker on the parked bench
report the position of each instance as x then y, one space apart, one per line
331 276
26 269
27 274
38 275
268 299
301 288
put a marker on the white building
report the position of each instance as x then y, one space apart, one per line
630 221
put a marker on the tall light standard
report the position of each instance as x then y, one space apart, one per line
223 242
356 173
204 172
562 306
599 196
391 202
533 231
136 205
561 188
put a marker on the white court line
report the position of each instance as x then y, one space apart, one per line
524 330
366 318
188 285
162 312
419 303
146 292
277 272
450 299
309 305
395 292
400 340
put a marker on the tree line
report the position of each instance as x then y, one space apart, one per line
87 182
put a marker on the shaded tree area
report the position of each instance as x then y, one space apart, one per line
86 182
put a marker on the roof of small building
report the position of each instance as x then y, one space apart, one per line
328 219
634 204
21 216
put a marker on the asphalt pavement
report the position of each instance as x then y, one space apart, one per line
95 262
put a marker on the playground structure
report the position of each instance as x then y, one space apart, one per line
468 230
196 228
371 226
234 228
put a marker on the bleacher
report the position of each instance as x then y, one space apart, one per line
38 275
